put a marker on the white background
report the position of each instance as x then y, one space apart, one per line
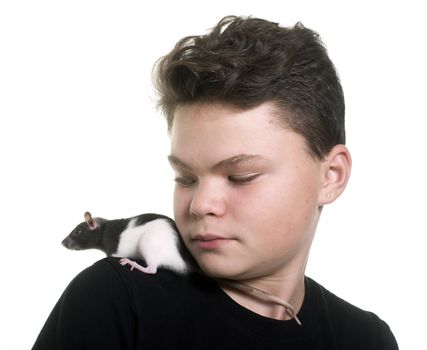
79 131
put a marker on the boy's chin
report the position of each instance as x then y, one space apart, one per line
224 272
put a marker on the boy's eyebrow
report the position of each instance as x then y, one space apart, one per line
226 163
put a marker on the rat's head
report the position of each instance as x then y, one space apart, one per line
86 235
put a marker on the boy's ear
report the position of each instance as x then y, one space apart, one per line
336 170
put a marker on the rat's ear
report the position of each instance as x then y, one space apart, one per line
336 172
90 221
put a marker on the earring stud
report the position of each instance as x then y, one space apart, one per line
328 195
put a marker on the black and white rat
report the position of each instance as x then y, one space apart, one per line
151 237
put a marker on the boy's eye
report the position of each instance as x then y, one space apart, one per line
184 181
242 179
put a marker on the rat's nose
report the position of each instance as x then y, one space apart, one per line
66 242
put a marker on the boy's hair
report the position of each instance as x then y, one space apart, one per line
244 62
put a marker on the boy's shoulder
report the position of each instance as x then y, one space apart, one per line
350 324
110 271
165 286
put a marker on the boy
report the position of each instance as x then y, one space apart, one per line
256 117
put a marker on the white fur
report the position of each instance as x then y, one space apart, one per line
155 241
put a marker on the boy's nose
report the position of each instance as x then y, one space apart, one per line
207 200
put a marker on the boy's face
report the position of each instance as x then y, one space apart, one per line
246 199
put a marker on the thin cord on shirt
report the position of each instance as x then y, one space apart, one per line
262 295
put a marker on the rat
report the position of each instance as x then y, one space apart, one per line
155 239
151 237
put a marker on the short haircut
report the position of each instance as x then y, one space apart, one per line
246 61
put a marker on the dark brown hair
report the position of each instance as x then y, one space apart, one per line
245 62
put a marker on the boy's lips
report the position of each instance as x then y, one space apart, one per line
210 241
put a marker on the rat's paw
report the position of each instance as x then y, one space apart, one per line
135 265
131 263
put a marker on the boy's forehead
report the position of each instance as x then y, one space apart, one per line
203 123
222 125
205 135
190 114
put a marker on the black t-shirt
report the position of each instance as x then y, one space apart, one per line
107 306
